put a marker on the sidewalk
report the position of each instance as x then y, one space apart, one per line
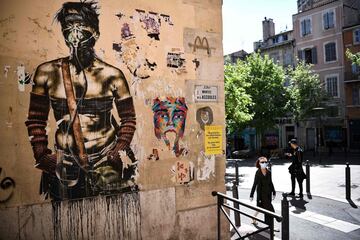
326 179
315 218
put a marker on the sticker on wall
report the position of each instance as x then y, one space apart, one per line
206 167
204 116
169 122
213 140
176 60
126 33
205 93
152 21
184 172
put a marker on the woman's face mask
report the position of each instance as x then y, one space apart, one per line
263 165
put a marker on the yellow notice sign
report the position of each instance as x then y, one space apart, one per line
213 140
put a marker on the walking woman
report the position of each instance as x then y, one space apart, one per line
265 191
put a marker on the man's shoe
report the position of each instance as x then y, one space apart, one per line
291 194
301 195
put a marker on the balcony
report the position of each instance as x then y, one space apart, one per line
350 76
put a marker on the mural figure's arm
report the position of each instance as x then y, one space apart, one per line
125 108
37 120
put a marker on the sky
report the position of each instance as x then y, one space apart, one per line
242 21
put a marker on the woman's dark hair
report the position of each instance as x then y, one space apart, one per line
85 10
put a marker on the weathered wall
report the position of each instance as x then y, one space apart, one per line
164 60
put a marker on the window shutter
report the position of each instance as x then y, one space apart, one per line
325 19
331 19
355 96
314 55
303 28
300 55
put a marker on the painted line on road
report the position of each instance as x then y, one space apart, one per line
326 221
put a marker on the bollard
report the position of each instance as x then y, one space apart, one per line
236 173
236 205
347 181
285 215
307 176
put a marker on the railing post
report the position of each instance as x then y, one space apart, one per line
347 181
236 173
235 191
220 202
285 215
307 176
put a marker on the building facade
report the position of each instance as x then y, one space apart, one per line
351 35
319 40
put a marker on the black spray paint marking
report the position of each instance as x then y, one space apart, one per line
7 185
105 217
197 63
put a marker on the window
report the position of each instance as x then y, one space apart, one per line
356 96
332 86
328 20
356 34
309 55
305 27
330 52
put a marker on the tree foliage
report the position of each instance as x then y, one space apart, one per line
237 101
254 92
305 92
354 57
267 91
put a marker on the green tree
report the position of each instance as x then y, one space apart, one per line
266 88
305 91
354 57
237 101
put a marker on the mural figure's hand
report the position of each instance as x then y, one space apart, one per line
47 163
114 159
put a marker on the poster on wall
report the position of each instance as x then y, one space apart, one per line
92 152
213 140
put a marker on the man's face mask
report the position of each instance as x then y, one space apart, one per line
77 34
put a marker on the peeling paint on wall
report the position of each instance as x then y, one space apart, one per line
130 54
110 217
9 117
206 166
176 60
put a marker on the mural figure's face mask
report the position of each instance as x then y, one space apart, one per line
80 38
77 34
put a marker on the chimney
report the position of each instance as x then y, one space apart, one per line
268 28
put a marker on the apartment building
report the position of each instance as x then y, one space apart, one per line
318 32
351 35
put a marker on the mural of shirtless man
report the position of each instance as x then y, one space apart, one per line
92 151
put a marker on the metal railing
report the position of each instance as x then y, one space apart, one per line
220 208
